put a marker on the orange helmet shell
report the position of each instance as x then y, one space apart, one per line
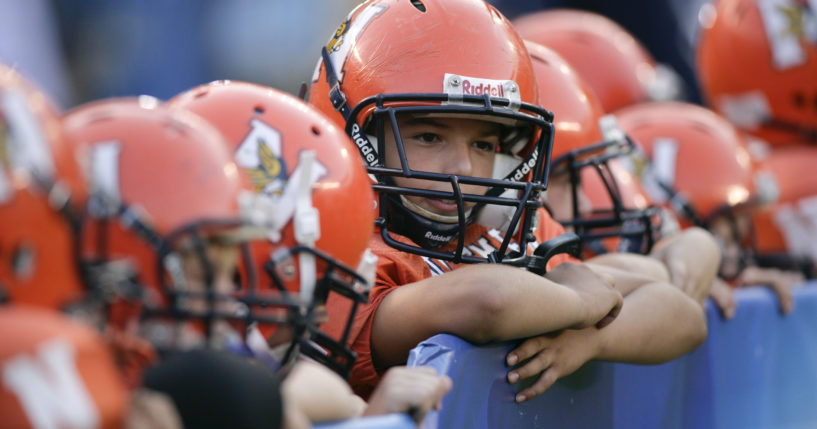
342 194
576 108
788 225
484 46
702 155
169 168
50 361
39 265
267 131
610 59
757 62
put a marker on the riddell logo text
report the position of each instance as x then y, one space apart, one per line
527 165
364 146
469 88
438 237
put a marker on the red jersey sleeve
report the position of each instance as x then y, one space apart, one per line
394 269
548 228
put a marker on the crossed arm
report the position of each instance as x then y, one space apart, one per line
658 322
484 303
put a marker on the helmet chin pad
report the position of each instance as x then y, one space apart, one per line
495 216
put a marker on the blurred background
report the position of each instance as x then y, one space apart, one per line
81 50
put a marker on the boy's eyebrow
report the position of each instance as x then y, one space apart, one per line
493 131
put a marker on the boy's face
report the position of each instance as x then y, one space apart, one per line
457 146
724 231
222 258
559 197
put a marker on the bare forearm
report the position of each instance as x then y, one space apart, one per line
480 303
629 270
657 323
507 303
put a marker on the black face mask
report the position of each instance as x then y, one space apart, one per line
514 194
637 229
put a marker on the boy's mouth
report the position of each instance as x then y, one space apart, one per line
436 209
448 207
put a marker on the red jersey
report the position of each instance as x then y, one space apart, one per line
396 268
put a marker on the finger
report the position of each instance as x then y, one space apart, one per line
539 363
724 298
725 305
423 369
443 387
783 291
528 348
542 383
608 319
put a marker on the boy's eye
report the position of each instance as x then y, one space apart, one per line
426 137
485 146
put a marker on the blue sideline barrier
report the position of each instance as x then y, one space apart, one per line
758 370
390 421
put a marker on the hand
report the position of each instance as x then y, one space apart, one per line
692 258
597 289
724 298
319 394
780 281
149 409
552 356
414 390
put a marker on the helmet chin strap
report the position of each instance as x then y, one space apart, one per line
307 228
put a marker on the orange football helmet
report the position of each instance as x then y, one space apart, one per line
323 221
56 372
700 168
616 66
785 231
620 215
40 184
456 58
757 63
166 217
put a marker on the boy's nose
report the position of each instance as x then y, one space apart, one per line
457 159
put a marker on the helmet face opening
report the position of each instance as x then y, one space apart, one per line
521 138
618 218
339 283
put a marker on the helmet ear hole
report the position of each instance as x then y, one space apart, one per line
418 4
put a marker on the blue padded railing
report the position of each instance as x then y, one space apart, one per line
390 421
758 370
